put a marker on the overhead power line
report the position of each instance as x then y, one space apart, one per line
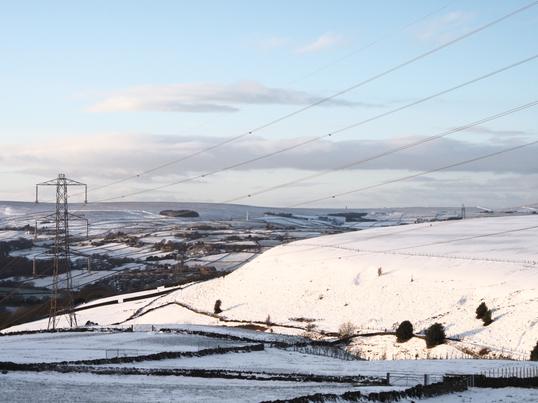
372 43
385 153
330 97
404 178
324 136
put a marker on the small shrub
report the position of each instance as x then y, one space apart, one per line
346 329
217 309
534 353
435 335
481 310
379 272
404 331
268 320
310 332
310 327
487 318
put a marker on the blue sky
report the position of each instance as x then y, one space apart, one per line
106 89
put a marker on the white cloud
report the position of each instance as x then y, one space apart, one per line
444 27
497 132
325 41
96 160
208 98
123 154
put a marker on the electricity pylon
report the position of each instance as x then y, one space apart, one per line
61 259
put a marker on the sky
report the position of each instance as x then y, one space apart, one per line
104 91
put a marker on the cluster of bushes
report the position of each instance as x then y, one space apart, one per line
484 313
434 335
16 244
404 331
120 237
346 330
170 246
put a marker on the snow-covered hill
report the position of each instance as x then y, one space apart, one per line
433 272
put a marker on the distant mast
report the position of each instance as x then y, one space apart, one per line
462 214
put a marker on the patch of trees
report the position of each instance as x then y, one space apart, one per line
91 292
352 216
170 246
120 237
226 247
19 266
103 262
22 314
9 246
180 213
435 335
153 277
404 332
208 227
154 258
484 313
26 228
285 215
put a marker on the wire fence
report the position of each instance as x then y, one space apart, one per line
120 352
325 351
512 372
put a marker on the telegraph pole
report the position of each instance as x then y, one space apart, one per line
61 259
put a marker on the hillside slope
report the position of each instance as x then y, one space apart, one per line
436 272
430 272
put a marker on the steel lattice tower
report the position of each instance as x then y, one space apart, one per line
61 259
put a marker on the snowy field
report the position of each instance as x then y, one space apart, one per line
37 387
284 361
58 347
503 395
374 279
22 386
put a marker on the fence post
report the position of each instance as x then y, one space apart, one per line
388 378
425 379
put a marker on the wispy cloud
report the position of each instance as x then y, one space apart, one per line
325 41
208 98
508 179
444 27
123 154
497 132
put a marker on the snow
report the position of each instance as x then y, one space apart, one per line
35 387
429 275
221 261
47 347
79 277
486 395
44 347
286 361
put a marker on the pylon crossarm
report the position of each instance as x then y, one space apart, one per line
75 216
45 217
